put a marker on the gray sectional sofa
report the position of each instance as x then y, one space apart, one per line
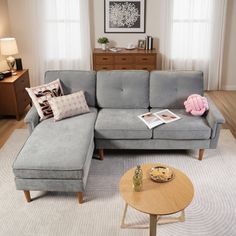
57 155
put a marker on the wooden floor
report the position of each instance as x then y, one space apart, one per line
225 101
7 126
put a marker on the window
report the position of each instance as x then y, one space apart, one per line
63 30
191 29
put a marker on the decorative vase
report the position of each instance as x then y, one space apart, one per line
138 179
104 46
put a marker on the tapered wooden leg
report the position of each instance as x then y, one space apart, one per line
27 196
101 154
201 152
80 197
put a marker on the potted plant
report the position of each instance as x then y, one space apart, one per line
103 41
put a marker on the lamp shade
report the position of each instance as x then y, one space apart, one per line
8 46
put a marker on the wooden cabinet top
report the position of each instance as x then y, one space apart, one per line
13 78
125 51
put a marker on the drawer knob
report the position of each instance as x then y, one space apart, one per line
144 59
104 58
123 59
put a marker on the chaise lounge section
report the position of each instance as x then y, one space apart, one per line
57 155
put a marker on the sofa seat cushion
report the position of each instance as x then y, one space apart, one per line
121 124
57 150
187 128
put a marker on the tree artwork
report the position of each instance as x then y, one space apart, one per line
125 15
121 16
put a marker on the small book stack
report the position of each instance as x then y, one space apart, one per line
149 43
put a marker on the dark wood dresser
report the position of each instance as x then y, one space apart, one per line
13 96
135 59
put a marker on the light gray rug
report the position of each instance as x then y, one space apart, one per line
212 212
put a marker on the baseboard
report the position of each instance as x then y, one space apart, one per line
229 87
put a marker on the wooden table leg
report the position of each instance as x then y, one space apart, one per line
123 225
153 225
170 219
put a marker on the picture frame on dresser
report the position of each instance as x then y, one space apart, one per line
141 44
114 9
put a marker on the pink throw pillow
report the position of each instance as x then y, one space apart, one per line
196 105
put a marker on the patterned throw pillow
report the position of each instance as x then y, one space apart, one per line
41 94
68 105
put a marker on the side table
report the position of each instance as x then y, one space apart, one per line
157 199
13 96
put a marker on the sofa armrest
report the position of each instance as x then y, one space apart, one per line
214 117
32 119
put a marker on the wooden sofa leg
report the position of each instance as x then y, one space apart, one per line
80 197
201 152
101 154
27 196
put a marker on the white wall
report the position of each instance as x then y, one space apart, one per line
153 27
229 60
4 29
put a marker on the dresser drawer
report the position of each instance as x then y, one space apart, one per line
145 67
124 67
124 59
104 67
145 59
104 60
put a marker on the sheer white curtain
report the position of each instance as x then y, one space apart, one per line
51 34
194 37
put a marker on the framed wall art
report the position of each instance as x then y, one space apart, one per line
122 16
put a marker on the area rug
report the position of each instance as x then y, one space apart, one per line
212 211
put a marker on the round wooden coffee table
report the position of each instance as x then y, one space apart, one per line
157 199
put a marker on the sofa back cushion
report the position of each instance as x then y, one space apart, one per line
74 80
170 89
123 89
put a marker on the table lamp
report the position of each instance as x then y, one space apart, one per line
9 48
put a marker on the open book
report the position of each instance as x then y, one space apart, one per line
158 118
